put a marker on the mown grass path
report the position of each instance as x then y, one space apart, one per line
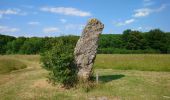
30 84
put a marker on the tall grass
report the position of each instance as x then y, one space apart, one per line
9 63
143 62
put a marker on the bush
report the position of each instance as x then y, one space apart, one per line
60 62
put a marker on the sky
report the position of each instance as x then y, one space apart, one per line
68 17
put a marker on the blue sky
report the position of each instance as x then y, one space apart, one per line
62 17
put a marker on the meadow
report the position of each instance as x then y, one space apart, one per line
121 77
7 64
143 62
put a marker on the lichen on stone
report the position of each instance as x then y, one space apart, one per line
93 21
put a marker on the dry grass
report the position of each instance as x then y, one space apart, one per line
30 84
8 64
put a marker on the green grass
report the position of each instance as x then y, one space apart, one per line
143 62
30 83
8 64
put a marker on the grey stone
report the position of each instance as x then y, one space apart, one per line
86 48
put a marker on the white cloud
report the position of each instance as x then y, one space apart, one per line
6 29
33 23
147 11
142 12
129 21
126 22
66 11
63 20
11 12
51 30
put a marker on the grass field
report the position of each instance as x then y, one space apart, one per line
143 62
30 83
8 64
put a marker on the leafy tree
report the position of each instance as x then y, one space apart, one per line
4 39
133 40
32 46
110 40
157 40
14 47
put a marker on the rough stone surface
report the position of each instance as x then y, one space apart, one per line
86 48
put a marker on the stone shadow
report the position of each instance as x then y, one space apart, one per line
108 78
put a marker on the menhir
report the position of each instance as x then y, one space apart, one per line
86 48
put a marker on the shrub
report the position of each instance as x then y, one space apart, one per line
60 62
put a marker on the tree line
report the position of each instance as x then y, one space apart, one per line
154 41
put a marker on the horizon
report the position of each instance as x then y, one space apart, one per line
42 18
77 35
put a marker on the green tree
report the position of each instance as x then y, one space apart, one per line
32 46
14 47
133 40
157 40
4 39
110 41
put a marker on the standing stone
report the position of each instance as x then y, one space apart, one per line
86 48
